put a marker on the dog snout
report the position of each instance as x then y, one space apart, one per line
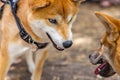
95 58
67 44
94 55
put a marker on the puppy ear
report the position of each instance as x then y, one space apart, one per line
111 24
78 1
39 3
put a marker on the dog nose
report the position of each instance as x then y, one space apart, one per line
67 44
90 56
94 55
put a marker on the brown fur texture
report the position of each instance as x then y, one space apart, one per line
28 11
111 40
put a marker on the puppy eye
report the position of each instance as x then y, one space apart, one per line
53 21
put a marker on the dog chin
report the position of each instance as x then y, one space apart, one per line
58 48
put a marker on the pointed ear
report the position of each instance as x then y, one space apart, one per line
38 3
111 25
77 2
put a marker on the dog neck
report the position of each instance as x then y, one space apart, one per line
23 18
22 32
116 57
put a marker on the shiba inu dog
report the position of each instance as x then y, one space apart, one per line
46 21
108 55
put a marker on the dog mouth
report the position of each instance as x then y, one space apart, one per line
104 69
55 45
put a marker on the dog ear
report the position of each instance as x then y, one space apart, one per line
39 3
111 24
78 1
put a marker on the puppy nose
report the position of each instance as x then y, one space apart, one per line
67 44
90 56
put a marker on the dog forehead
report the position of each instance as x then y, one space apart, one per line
67 8
68 17
62 7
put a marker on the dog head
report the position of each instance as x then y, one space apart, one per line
108 54
54 18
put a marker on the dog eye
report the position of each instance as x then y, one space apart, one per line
53 21
70 20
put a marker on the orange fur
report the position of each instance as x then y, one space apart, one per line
111 39
29 11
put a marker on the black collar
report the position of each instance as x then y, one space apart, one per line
23 34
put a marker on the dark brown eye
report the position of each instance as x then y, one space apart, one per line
70 20
53 21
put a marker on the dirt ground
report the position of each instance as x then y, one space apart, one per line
73 63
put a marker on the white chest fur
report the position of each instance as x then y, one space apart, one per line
16 50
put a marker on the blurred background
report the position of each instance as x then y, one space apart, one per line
73 63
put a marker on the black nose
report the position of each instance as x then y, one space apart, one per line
67 44
90 56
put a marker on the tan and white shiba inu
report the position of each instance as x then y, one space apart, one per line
108 55
46 21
